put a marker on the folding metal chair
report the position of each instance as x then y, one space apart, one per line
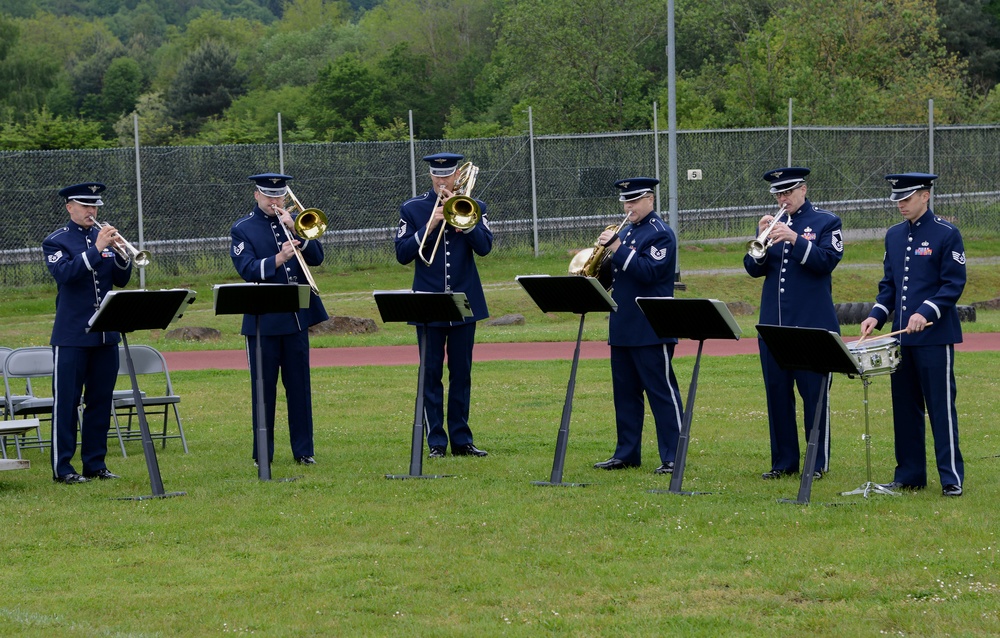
26 364
146 360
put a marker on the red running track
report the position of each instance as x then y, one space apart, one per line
408 355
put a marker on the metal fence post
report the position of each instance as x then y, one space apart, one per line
413 160
138 195
930 145
534 182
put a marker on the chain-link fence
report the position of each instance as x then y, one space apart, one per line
549 192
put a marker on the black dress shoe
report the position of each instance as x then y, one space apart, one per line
612 464
951 490
437 452
71 479
773 474
896 485
818 474
305 460
104 474
468 450
666 468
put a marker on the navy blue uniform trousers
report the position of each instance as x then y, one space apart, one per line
457 341
781 413
635 369
92 373
926 377
290 353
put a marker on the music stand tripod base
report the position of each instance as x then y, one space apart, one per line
418 476
680 492
870 488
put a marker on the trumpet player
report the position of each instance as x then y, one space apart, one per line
85 266
262 251
800 253
643 257
450 269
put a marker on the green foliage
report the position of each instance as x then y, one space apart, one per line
155 126
576 65
205 84
41 131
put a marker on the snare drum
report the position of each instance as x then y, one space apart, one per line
876 356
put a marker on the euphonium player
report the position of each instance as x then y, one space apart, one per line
85 267
261 252
797 291
453 269
643 263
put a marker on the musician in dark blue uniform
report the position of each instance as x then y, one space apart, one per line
262 252
924 277
86 267
452 269
806 245
643 262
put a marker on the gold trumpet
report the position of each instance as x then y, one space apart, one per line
310 223
593 261
460 210
757 248
127 251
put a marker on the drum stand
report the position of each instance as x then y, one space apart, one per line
870 487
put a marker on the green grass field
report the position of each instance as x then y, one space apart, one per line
343 551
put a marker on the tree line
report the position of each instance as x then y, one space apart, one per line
73 72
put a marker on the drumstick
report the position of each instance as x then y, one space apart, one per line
893 334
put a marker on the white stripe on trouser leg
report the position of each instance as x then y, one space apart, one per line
948 352
55 411
676 398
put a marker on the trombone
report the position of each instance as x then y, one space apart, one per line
757 248
121 246
310 223
460 211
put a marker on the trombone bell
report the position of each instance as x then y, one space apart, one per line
310 223
461 211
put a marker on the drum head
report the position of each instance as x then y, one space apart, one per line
872 344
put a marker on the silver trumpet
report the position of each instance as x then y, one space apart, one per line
127 251
757 248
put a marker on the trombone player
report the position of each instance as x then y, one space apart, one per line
796 251
83 260
264 252
445 251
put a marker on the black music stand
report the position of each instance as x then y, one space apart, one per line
260 299
420 308
579 295
815 350
697 319
126 311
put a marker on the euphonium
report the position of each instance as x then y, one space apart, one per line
757 248
589 262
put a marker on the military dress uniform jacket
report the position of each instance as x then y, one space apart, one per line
256 239
454 266
798 289
643 266
84 275
924 268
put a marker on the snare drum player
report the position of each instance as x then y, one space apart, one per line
924 277
805 247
